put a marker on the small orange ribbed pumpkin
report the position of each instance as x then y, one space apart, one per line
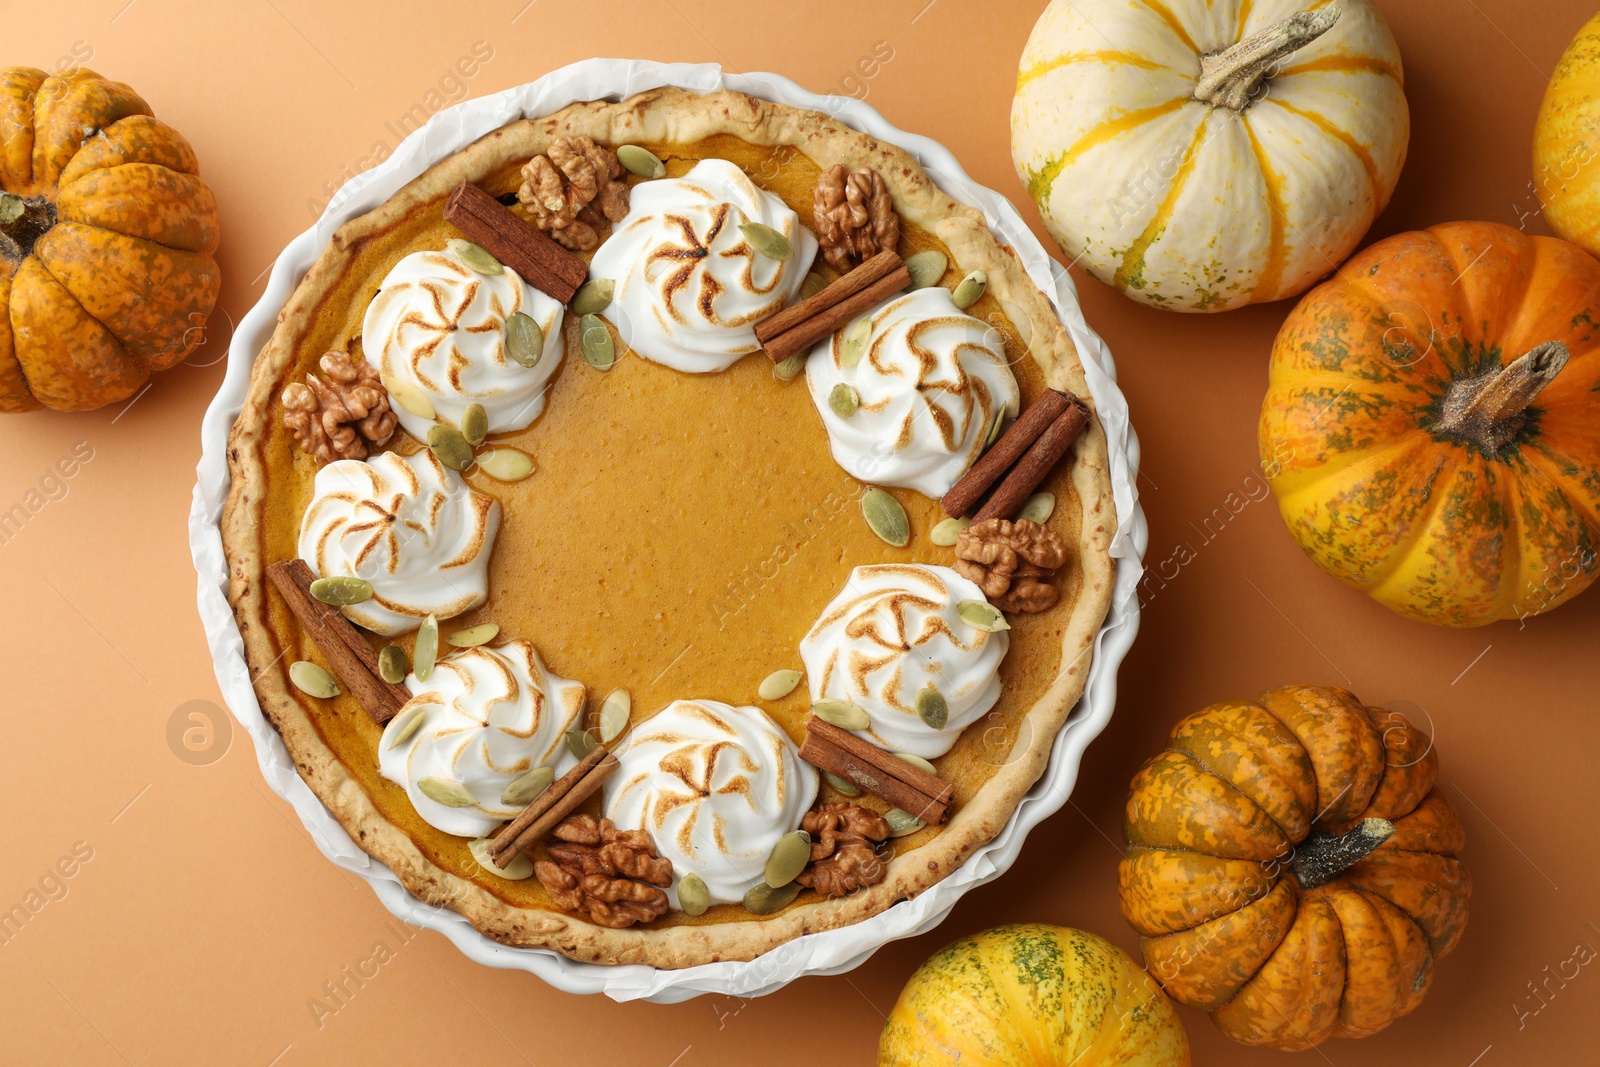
106 236
1292 868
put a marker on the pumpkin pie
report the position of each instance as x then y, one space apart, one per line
620 639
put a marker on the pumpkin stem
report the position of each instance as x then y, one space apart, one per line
22 222
1232 77
1491 409
1322 857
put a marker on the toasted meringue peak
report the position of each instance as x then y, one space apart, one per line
690 288
441 326
490 715
715 786
409 526
892 631
927 388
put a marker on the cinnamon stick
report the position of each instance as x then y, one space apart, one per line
822 324
524 248
1035 465
875 269
883 774
1017 439
354 662
553 805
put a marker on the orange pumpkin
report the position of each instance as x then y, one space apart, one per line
1292 868
106 236
1433 422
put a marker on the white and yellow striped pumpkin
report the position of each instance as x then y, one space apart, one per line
1199 155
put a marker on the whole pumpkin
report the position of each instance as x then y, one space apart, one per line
1432 423
106 235
1292 868
1032 996
1200 155
1566 142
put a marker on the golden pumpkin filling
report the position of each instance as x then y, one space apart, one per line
678 539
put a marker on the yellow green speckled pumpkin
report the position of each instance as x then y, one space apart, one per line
106 235
1433 423
1566 142
1032 996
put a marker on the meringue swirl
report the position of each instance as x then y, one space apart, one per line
928 388
689 288
409 526
715 787
893 630
490 716
441 326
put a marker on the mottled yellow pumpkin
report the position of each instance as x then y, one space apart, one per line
1433 421
1032 996
1566 142
1199 155
106 236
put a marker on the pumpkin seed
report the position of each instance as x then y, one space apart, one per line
945 533
779 684
341 589
444 791
409 397
426 649
843 786
449 446
473 636
886 517
595 340
392 666
932 708
843 401
593 297
813 284
312 680
522 791
854 345
841 713
693 896
640 161
474 424
767 241
994 429
614 714
970 290
475 256
901 822
764 900
11 207
524 339
927 268
789 857
515 870
789 369
1039 508
404 725
580 742
982 615
506 464
917 762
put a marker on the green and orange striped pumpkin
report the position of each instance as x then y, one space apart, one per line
1199 155
1292 867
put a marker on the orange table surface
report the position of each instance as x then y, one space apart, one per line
200 925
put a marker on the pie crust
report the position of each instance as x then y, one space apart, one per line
677 116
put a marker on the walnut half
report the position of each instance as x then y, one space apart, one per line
854 216
573 190
341 416
614 876
844 848
1012 562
